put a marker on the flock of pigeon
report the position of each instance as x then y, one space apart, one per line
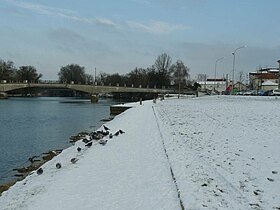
97 136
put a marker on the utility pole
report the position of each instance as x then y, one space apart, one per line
233 53
215 84
279 75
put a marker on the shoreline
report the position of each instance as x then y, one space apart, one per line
23 172
115 110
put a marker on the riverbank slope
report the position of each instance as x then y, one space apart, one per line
217 152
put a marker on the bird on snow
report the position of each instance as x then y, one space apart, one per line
111 136
117 133
58 165
103 142
106 128
79 149
39 171
89 144
121 131
74 160
86 141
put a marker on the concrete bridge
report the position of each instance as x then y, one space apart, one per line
92 89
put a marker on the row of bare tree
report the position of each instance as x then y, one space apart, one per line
162 74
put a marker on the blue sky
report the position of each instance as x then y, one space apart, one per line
117 36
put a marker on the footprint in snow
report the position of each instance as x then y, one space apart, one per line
270 179
257 192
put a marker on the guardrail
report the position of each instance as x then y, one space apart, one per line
72 83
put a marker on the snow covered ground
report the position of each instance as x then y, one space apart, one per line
217 152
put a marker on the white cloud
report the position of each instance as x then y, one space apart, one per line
157 27
39 8
143 2
62 13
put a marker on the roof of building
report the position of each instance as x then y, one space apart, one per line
269 83
265 71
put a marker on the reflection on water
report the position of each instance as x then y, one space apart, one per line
31 126
79 101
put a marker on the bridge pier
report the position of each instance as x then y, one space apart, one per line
3 95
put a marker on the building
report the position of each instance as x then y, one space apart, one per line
219 85
269 85
264 79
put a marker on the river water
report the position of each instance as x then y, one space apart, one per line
32 126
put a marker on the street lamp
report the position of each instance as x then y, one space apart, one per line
216 71
234 52
279 75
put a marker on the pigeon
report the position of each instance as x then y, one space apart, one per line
79 149
39 171
32 159
106 128
58 165
117 133
74 160
103 142
86 141
121 131
89 144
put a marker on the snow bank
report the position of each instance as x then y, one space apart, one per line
129 172
223 153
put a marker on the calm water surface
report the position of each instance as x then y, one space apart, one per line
31 126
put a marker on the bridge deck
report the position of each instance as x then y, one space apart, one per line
83 88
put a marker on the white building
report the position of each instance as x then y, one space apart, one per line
219 85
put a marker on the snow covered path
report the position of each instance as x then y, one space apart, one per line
130 172
223 153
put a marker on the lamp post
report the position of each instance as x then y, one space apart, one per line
233 65
94 76
216 71
279 75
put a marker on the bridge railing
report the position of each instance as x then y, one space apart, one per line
72 83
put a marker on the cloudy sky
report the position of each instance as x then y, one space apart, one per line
115 36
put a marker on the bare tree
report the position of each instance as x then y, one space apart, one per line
201 77
180 73
162 66
163 62
241 76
